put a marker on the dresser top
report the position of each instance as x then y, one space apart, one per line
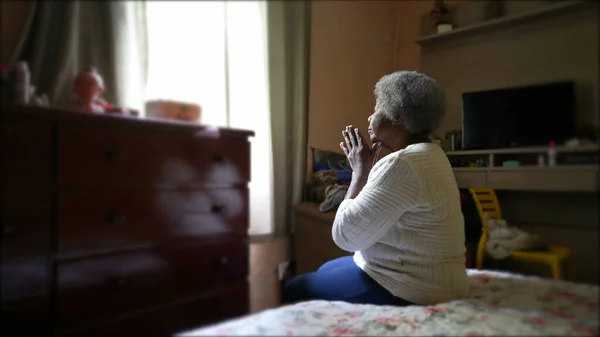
65 116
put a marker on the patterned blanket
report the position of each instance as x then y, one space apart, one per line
500 304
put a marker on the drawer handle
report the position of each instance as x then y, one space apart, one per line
114 219
217 209
113 156
116 282
219 159
224 260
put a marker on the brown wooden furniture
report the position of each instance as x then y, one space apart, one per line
313 244
115 225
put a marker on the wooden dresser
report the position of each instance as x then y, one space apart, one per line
310 226
120 226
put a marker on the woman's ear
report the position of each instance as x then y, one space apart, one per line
396 123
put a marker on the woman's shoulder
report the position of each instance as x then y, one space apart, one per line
413 153
412 158
395 163
422 150
423 155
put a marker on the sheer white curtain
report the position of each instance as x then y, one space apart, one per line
214 53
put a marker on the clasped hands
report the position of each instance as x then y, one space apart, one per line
360 155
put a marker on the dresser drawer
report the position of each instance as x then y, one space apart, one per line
225 302
25 272
25 221
26 317
93 158
549 179
26 150
98 288
102 220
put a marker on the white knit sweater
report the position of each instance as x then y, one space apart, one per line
406 227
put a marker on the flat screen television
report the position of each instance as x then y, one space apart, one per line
516 117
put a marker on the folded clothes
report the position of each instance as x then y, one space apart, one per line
504 239
334 195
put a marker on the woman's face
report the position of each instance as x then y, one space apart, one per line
381 129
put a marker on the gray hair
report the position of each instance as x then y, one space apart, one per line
412 99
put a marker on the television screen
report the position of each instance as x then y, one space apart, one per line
515 117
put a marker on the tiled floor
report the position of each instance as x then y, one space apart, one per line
264 284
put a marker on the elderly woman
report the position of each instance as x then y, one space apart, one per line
401 216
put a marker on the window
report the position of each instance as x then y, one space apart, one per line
214 53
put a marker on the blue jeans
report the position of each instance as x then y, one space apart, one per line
339 280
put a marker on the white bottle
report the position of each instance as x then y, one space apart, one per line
551 154
541 160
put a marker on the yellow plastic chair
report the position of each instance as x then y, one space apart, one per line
487 202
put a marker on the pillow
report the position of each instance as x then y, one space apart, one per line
328 160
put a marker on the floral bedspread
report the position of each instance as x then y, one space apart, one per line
500 304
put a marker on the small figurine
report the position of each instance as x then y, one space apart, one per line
88 85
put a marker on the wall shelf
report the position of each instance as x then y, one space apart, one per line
528 168
506 21
562 168
524 150
565 178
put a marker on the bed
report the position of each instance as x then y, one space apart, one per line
499 304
